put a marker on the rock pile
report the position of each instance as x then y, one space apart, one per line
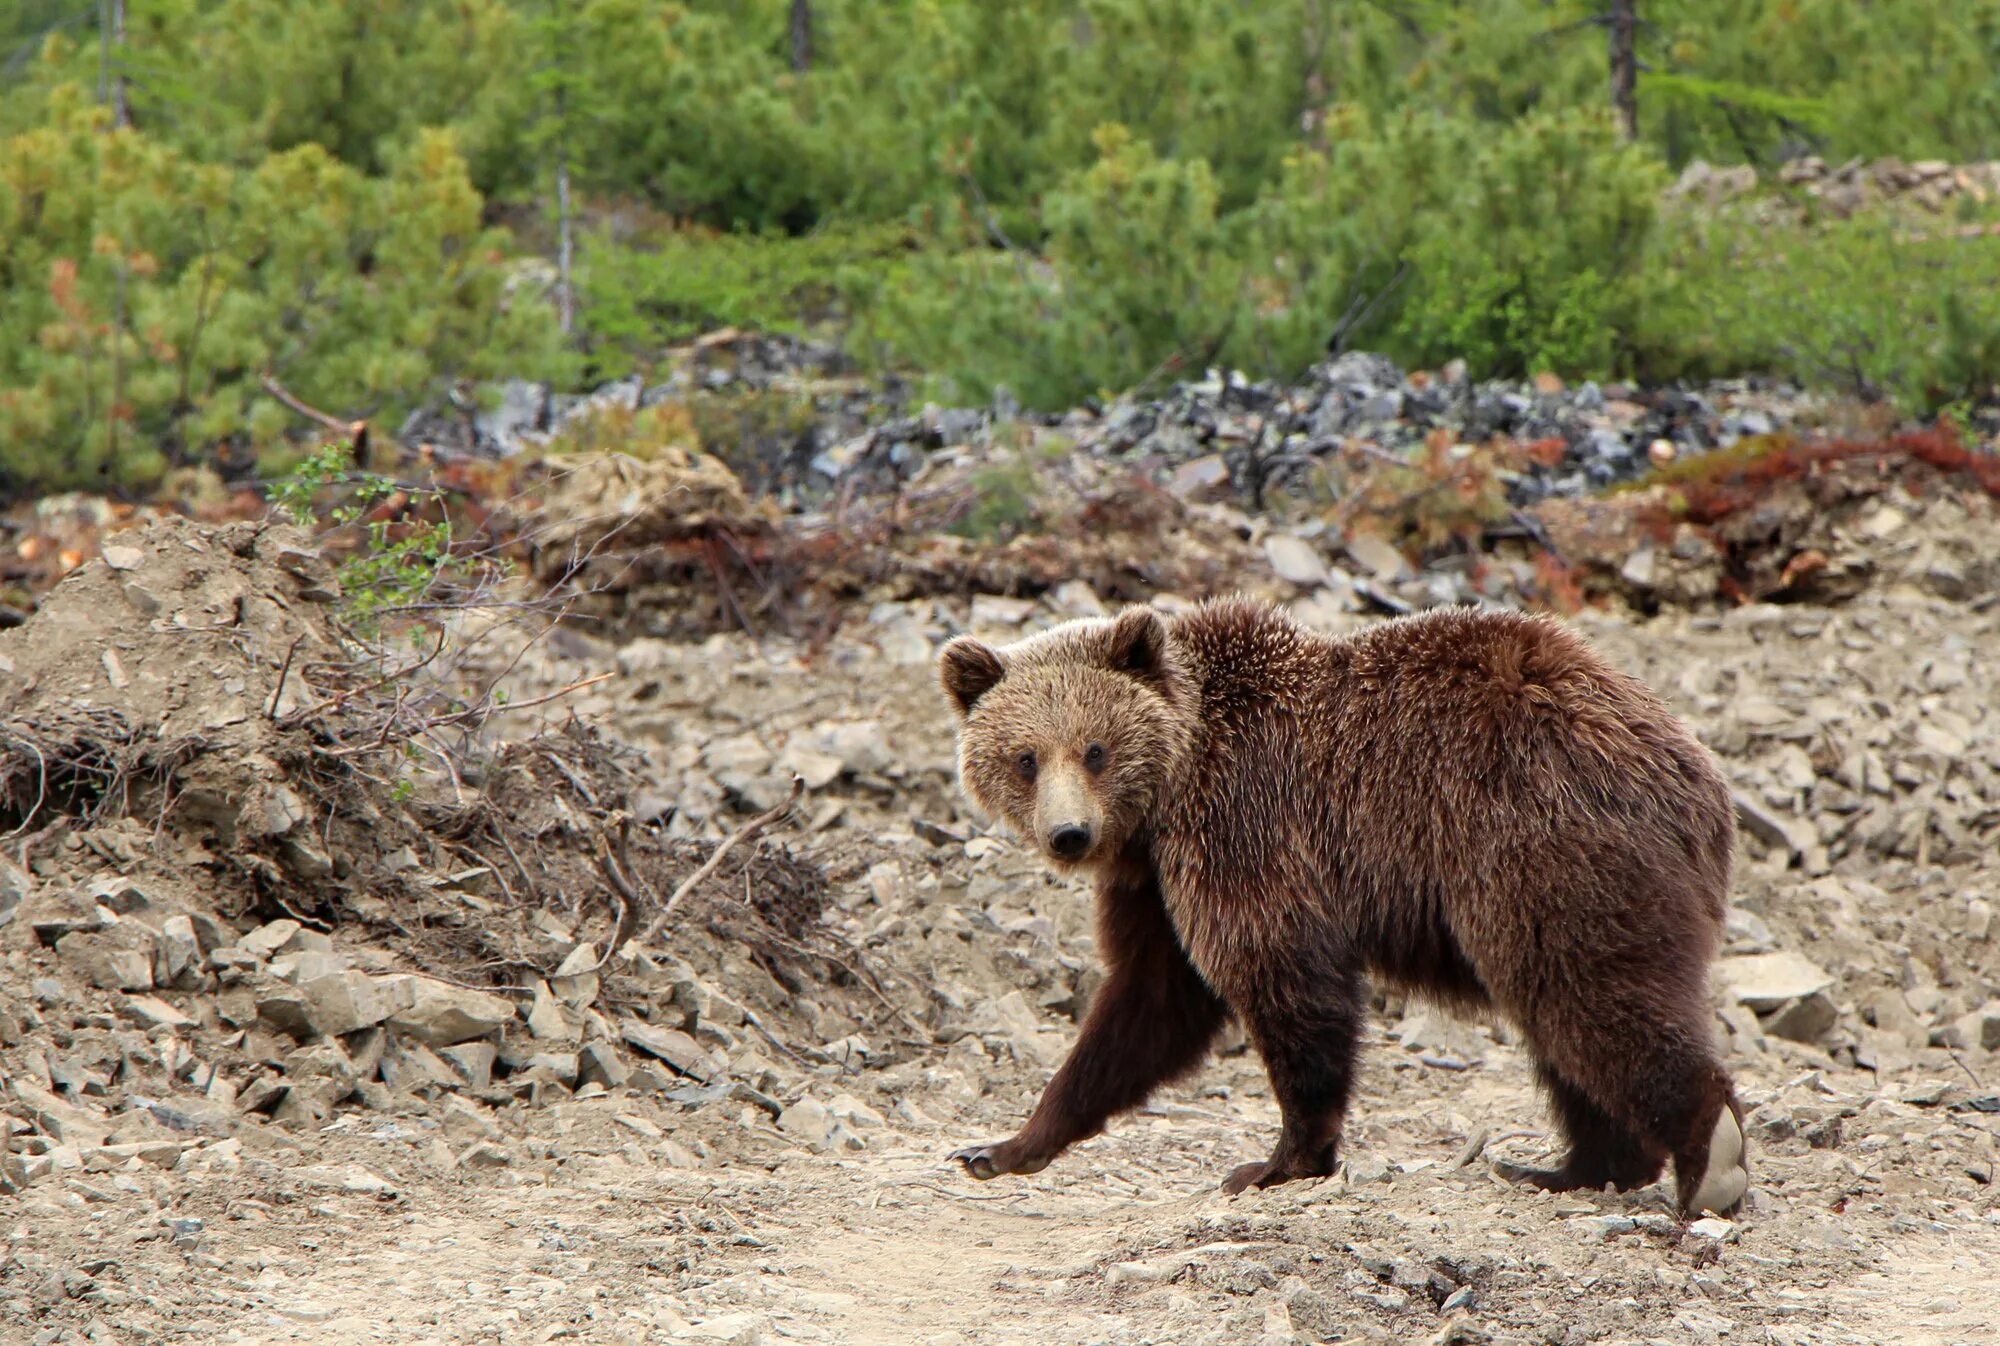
519 416
1222 436
227 912
1231 437
1847 187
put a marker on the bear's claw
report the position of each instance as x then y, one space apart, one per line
990 1161
978 1161
1245 1176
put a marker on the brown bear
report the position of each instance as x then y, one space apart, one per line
1471 806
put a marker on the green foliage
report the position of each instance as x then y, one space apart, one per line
1335 233
143 296
1547 277
1139 276
1875 307
683 282
1369 243
399 562
296 494
1003 502
1056 197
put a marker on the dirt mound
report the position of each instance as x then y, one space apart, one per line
159 679
301 860
598 509
1790 523
658 550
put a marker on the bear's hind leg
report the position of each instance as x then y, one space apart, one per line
1601 1149
1308 1036
1679 1097
1653 1070
1711 1172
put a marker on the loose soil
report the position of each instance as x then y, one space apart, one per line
927 1005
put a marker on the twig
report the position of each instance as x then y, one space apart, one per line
479 713
534 890
1473 1148
750 1017
617 872
1525 1133
41 786
278 692
1368 450
341 698
357 429
708 866
484 712
583 791
867 982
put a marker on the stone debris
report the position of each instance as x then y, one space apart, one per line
676 1048
636 1146
1767 981
117 958
1295 560
438 1014
339 1003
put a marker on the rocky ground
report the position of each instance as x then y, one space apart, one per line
311 1031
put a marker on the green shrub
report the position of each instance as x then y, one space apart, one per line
1533 261
1874 306
1422 236
1140 278
1332 240
400 563
636 297
143 297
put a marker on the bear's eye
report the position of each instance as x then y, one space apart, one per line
1093 757
1026 764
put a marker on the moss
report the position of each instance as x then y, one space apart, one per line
645 433
1707 467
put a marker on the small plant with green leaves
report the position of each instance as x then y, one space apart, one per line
399 563
1957 416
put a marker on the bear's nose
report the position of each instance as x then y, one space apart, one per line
1069 840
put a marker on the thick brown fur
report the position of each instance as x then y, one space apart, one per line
1469 806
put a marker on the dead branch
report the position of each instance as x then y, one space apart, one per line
357 431
746 832
342 698
41 788
750 1016
618 872
485 711
866 981
278 692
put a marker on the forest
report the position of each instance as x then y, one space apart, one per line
376 206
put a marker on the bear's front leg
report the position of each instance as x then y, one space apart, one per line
1308 1030
1152 1020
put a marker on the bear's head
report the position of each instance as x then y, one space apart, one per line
1069 735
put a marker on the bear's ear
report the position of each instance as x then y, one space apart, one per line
969 670
1139 645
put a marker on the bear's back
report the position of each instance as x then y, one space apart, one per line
1449 692
1458 756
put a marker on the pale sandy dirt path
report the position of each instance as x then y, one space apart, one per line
1124 1241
